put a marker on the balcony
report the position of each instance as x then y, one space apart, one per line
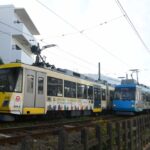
22 35
21 56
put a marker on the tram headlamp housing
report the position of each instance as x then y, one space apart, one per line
132 105
5 103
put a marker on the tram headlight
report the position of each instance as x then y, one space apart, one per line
114 105
132 105
5 103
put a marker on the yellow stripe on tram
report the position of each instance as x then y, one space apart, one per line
97 110
31 111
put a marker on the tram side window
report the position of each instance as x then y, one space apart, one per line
54 87
148 97
69 89
103 94
40 85
144 96
11 79
90 92
81 91
18 87
30 83
97 93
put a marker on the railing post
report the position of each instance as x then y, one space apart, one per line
148 127
136 133
84 138
27 143
131 133
139 134
118 130
142 132
63 140
110 135
126 134
99 137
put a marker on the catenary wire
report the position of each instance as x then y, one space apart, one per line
80 31
55 54
132 25
74 62
85 61
87 37
74 56
88 28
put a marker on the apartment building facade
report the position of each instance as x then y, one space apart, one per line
16 35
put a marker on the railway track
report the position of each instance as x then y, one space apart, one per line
16 134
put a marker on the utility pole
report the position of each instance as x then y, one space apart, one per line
99 71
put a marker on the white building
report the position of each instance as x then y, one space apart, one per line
16 35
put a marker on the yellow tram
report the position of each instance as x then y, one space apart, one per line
31 90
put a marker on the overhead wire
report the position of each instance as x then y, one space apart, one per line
89 28
61 18
87 37
78 31
106 50
132 25
79 58
76 57
74 62
44 42
102 23
41 40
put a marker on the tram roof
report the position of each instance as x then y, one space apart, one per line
57 70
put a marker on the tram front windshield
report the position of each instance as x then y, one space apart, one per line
11 80
125 93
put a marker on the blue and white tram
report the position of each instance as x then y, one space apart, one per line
131 97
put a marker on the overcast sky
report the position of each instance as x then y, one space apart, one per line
92 31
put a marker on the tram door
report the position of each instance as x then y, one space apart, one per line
34 90
97 99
